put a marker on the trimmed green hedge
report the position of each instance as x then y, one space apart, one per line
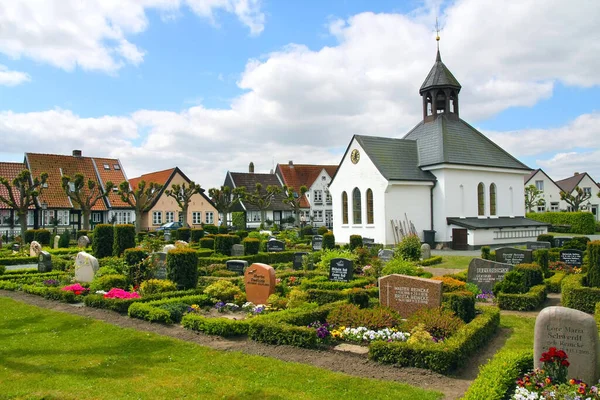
554 283
152 312
328 240
224 244
576 295
581 222
182 267
431 261
27 277
18 260
444 357
205 252
593 276
196 234
597 314
183 234
42 236
265 258
124 238
122 305
333 285
355 241
102 244
52 293
215 326
207 243
462 303
251 246
531 300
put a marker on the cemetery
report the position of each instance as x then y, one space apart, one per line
304 291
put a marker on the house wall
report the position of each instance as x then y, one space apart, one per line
551 193
197 204
594 201
324 207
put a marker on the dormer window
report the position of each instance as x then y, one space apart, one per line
117 167
71 186
115 189
106 167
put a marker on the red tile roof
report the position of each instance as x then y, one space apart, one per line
298 175
160 177
10 171
115 175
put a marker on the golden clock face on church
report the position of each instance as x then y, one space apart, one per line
354 156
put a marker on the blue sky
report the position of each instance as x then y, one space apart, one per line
212 85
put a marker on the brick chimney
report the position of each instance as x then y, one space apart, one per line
251 167
76 153
576 173
291 164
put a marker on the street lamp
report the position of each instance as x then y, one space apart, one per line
44 208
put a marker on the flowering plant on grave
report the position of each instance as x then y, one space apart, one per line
363 334
51 282
322 329
555 364
116 293
76 288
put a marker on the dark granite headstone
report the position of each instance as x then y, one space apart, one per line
275 246
385 255
16 247
237 250
485 273
538 245
317 242
368 242
298 259
44 262
340 269
510 255
560 241
237 266
572 257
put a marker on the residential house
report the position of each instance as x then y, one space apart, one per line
316 205
165 209
453 184
8 217
277 212
550 191
584 181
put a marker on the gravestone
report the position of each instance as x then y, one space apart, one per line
340 270
83 242
181 243
538 245
510 255
385 255
16 247
407 294
572 257
425 251
572 331
275 246
298 259
259 280
86 267
317 242
485 273
56 240
237 250
35 249
158 261
237 266
368 242
560 241
168 248
44 262
167 236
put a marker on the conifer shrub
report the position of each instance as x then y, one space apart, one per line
544 237
542 257
134 255
102 244
328 240
124 238
251 246
224 243
182 267
322 230
29 236
211 229
183 234
65 239
355 241
593 275
81 233
42 236
207 243
441 323
196 234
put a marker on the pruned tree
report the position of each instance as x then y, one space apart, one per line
575 198
532 197
293 198
84 194
140 198
183 195
225 199
21 194
262 199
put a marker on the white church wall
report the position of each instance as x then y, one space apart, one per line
407 200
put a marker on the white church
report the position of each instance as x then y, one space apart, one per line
442 176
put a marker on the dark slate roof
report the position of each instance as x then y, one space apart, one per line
396 159
570 183
439 76
249 180
489 223
526 178
453 141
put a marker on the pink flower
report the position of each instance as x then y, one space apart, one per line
76 288
116 293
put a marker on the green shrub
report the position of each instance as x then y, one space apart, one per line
513 282
409 248
64 240
529 301
554 283
328 255
323 230
29 236
532 274
350 315
117 263
17 260
223 244
196 234
175 310
238 219
485 252
207 243
439 322
183 234
160 310
307 230
154 286
211 229
575 295
2 269
42 236
122 305
577 242
224 291
251 245
102 244
544 237
107 282
359 297
355 241
124 238
398 265
134 256
431 261
242 234
462 303
81 233
542 257
182 267
581 222
593 275
106 271
328 241
215 326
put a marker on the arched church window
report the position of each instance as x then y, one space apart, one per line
344 208
369 206
480 199
356 207
493 199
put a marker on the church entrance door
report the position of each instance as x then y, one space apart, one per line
459 239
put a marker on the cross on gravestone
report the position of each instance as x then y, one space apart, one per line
44 262
385 255
538 245
299 259
259 280
510 255
237 266
485 273
340 270
237 250
572 331
407 294
572 257
560 241
317 242
275 246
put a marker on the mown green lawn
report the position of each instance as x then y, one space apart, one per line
454 262
52 355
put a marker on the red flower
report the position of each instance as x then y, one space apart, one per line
565 363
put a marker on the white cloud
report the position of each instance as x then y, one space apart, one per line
564 165
93 34
12 78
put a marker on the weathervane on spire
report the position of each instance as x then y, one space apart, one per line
437 33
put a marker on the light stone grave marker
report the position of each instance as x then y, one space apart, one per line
259 280
485 273
86 267
83 242
56 240
168 248
385 255
237 250
425 251
407 294
34 249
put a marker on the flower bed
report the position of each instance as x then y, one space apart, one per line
166 311
363 335
122 305
55 293
531 300
236 323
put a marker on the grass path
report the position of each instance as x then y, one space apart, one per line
53 355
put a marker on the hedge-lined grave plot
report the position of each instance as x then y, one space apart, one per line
407 294
259 280
341 270
572 257
485 273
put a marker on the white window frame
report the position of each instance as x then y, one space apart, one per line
541 208
169 216
554 206
587 190
96 217
318 215
4 217
157 217
64 216
253 216
318 197
539 185
209 217
196 217
328 199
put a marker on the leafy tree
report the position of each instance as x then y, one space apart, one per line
533 197
183 195
575 199
293 198
84 194
27 190
225 199
262 199
140 198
